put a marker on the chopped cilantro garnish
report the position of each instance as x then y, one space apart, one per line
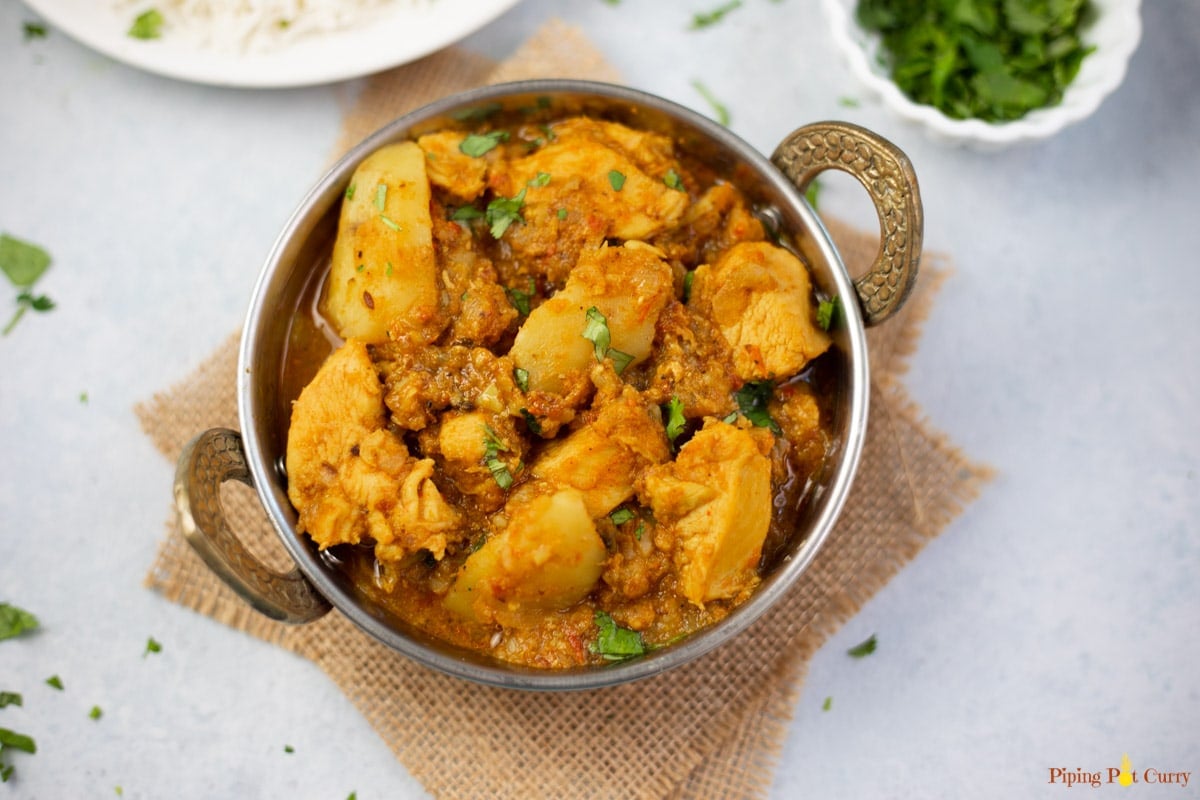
476 144
504 211
519 299
15 621
542 179
562 213
994 60
17 741
6 771
521 376
621 516
23 262
531 422
827 312
350 191
828 704
616 180
752 401
83 398
34 30
96 712
673 181
287 748
492 447
864 648
152 646
55 682
477 113
707 18
675 418
147 25
717 106
615 643
381 197
466 213
10 699
689 278
848 102
596 331
391 223
813 193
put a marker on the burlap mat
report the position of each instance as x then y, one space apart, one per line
710 729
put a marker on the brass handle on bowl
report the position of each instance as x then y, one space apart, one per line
888 176
209 460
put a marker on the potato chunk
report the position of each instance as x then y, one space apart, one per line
717 495
547 558
350 478
760 297
383 281
629 285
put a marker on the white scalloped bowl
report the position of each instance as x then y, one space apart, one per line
1114 30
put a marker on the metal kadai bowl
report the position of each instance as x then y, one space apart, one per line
774 186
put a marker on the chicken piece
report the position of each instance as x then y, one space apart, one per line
547 558
383 281
479 451
719 219
628 285
350 478
717 496
593 180
479 310
760 296
603 458
450 168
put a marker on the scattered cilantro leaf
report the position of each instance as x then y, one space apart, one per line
477 113
752 401
391 223
287 748
466 214
621 516
848 102
96 712
828 704
520 299
562 213
864 648
689 278
83 398
994 60
675 419
717 106
709 18
620 360
34 30
492 447
23 262
476 144
531 422
542 179
381 197
827 312
616 180
673 181
350 190
10 699
55 682
521 377
15 621
147 25
152 646
17 741
596 331
504 211
813 193
615 643
6 771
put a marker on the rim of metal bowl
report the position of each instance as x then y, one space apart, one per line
317 202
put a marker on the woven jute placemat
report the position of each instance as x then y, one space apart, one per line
712 728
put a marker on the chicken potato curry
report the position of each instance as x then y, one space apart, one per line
575 393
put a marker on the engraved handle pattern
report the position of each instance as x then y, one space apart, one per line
887 175
209 460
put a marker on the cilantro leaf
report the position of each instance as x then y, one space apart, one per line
615 643
17 741
596 331
689 278
675 419
466 214
542 179
519 299
147 25
96 712
717 106
521 377
492 447
476 144
152 646
673 181
15 621
34 30
55 682
752 401
813 193
621 515
616 180
23 262
709 18
504 211
828 704
10 699
827 312
864 648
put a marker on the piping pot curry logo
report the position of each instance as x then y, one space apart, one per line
1125 775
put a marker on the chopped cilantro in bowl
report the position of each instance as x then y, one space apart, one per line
987 73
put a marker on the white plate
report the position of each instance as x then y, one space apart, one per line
398 36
